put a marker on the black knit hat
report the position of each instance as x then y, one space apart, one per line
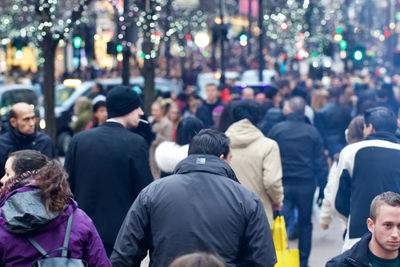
121 100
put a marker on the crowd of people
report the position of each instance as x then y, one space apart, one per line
207 176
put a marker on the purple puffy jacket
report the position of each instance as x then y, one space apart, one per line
22 214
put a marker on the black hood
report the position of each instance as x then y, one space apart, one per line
205 163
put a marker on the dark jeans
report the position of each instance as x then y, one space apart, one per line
300 197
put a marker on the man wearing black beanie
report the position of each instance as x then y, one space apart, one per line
109 165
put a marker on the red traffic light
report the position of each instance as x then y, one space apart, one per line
284 26
188 37
387 34
284 56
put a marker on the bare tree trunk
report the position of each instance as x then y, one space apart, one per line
148 75
49 48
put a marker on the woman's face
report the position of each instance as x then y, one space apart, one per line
101 115
9 172
277 99
157 112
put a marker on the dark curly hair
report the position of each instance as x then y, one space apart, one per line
49 175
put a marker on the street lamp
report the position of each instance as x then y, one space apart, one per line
202 39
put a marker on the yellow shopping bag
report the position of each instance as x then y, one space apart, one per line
286 257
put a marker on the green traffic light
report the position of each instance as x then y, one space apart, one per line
358 55
77 42
19 54
119 48
243 37
339 30
343 45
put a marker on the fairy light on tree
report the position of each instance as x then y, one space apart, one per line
44 23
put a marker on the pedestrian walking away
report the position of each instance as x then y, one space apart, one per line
109 165
200 208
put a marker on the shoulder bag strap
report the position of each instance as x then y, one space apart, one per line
67 234
37 246
64 248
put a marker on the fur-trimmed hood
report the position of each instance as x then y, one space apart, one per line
169 154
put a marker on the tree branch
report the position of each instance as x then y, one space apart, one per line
75 16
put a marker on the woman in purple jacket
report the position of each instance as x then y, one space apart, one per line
35 202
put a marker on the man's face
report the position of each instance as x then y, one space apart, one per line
368 130
248 93
386 229
212 93
286 108
133 118
25 120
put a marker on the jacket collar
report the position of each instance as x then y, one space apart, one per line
296 117
112 124
358 255
381 135
20 138
359 252
205 163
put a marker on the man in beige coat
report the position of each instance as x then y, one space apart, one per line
255 158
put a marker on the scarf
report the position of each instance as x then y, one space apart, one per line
17 182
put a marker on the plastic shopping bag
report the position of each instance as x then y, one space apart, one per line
286 257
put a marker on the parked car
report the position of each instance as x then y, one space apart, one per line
12 94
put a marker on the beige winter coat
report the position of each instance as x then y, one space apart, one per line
257 163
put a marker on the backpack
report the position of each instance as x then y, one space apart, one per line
62 261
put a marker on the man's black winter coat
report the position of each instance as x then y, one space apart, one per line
302 152
357 256
201 207
108 166
13 141
332 120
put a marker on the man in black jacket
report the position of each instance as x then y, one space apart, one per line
380 246
332 121
201 207
367 169
204 112
304 166
23 134
109 165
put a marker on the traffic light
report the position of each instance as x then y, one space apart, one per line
77 42
343 45
19 54
339 30
243 39
119 48
358 53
